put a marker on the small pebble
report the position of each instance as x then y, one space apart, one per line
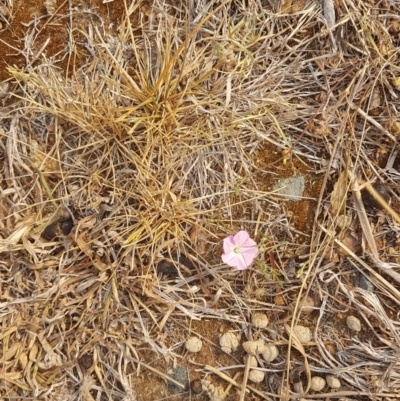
271 353
253 360
259 320
86 361
50 232
254 347
291 188
394 129
307 305
180 374
303 333
51 6
317 383
229 342
370 201
193 344
215 393
256 376
58 228
366 284
66 225
173 266
333 382
353 323
196 386
167 268
298 388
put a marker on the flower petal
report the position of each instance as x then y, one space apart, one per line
241 262
249 254
229 244
234 260
228 258
249 243
241 237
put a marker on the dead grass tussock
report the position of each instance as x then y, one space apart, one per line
149 147
6 13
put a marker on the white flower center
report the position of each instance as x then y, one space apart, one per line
236 250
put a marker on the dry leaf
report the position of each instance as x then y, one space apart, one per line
339 194
198 239
350 242
21 230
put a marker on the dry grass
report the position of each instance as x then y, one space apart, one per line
149 148
6 13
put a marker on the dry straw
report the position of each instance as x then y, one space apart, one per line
149 142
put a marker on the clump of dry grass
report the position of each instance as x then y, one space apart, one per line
150 148
6 13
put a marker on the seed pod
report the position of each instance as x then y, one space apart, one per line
317 383
353 323
260 320
333 382
303 333
193 344
256 376
271 353
254 347
229 342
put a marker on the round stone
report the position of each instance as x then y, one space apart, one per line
86 361
353 323
307 305
253 361
317 383
259 320
193 344
181 375
254 347
271 353
229 342
256 376
366 284
196 386
303 333
333 382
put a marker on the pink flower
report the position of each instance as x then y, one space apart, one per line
239 250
